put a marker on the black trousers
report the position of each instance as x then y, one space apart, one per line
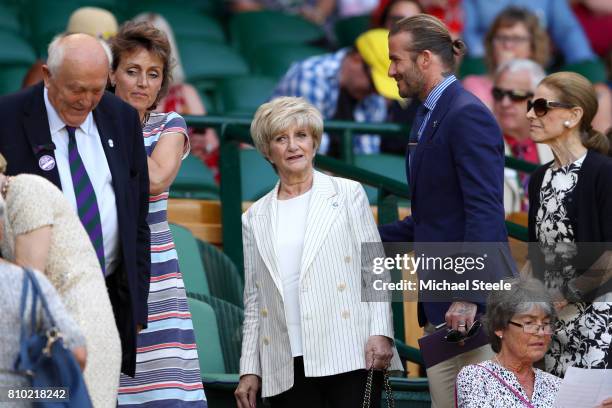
344 390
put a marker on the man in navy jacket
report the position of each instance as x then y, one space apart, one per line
109 139
455 167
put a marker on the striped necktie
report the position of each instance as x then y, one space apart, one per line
87 204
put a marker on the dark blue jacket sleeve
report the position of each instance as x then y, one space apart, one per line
398 231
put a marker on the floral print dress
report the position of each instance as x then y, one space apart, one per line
584 333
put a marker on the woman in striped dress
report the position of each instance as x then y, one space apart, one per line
167 367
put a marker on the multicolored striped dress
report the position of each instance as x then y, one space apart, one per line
167 367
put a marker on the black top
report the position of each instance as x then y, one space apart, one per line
589 208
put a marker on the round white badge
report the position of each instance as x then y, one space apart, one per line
46 162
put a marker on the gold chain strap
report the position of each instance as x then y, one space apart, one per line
368 389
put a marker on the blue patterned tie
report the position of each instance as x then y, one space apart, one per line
87 204
413 140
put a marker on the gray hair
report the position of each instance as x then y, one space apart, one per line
279 115
525 295
57 50
536 72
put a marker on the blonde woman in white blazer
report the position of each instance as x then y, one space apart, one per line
308 338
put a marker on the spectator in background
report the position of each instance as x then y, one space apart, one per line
350 8
555 16
595 16
94 21
449 11
184 99
514 84
141 76
569 204
391 11
350 84
515 33
50 238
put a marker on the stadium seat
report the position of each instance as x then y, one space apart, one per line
206 332
190 263
194 180
15 50
229 321
385 164
593 70
186 19
348 29
275 61
223 278
9 20
11 78
242 96
206 62
257 175
472 66
250 30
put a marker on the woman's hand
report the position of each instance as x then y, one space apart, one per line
607 403
378 352
246 391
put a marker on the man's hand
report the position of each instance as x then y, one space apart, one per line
246 391
80 354
460 316
378 351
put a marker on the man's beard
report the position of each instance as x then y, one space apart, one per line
414 83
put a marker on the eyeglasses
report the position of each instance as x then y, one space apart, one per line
541 106
514 95
511 39
455 336
530 328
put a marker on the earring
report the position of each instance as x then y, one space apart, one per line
500 336
567 124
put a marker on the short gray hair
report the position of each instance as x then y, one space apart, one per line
279 115
525 294
536 72
56 52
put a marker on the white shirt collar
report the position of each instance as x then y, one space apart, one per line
56 123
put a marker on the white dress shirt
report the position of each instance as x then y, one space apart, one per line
93 157
292 215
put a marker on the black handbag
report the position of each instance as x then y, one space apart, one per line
44 359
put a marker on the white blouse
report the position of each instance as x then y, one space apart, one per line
292 214
478 388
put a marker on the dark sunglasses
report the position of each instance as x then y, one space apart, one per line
541 106
514 95
454 336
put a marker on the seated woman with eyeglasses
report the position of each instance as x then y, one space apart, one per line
570 217
520 323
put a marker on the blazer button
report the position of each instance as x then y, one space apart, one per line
264 312
347 259
266 341
346 314
341 286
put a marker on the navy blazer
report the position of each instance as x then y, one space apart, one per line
25 137
456 182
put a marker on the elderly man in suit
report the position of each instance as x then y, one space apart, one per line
89 143
455 165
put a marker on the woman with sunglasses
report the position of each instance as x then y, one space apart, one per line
570 218
520 323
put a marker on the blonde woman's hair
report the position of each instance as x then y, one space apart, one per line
574 89
279 115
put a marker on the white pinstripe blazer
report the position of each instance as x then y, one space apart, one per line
335 323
